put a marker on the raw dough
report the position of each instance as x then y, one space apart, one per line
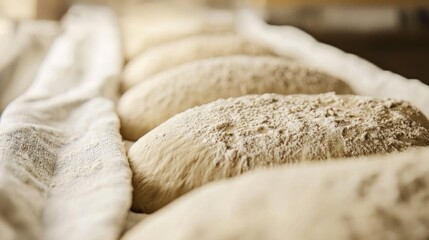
228 137
152 102
171 54
370 198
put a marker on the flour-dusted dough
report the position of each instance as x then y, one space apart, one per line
152 102
171 54
145 25
375 198
228 137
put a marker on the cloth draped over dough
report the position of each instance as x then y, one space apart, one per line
63 169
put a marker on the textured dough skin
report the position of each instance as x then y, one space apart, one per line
152 102
228 137
373 198
171 54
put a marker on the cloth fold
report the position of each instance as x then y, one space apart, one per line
63 169
23 47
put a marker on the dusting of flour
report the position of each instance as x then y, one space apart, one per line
228 137
272 129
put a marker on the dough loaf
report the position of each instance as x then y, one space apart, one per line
152 102
361 199
229 137
171 54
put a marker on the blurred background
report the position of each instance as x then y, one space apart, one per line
393 34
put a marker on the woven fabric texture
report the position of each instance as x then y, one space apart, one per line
63 169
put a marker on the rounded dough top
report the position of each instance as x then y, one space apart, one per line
152 102
171 54
368 198
228 137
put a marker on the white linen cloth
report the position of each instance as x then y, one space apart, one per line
63 169
23 46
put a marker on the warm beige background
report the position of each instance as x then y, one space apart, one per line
32 9
341 2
